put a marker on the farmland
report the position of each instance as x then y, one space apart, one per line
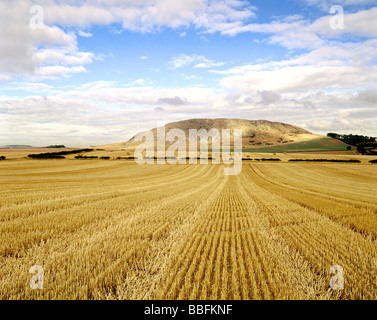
315 145
118 230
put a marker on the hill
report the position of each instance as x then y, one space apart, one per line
17 146
257 134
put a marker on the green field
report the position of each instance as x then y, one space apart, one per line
316 145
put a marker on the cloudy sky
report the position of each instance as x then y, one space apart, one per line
92 72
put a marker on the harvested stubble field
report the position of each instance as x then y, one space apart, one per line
117 230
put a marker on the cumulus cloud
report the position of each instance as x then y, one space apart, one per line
322 63
327 81
269 97
101 112
295 32
28 86
362 24
197 61
25 51
97 113
49 51
176 101
148 15
368 95
181 61
84 34
303 79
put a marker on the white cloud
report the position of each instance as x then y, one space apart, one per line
368 95
28 86
35 52
30 52
57 56
295 32
58 71
147 15
84 34
96 112
102 112
188 77
362 24
325 83
173 101
140 82
303 79
269 97
183 60
208 64
96 85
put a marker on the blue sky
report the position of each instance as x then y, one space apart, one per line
92 72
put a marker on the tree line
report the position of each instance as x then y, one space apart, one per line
352 139
56 146
91 157
56 155
325 160
365 145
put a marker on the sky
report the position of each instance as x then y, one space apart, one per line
94 72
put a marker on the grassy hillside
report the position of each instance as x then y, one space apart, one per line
315 145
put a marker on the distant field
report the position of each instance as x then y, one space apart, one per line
315 145
282 152
118 230
18 153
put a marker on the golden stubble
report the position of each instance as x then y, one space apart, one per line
117 230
